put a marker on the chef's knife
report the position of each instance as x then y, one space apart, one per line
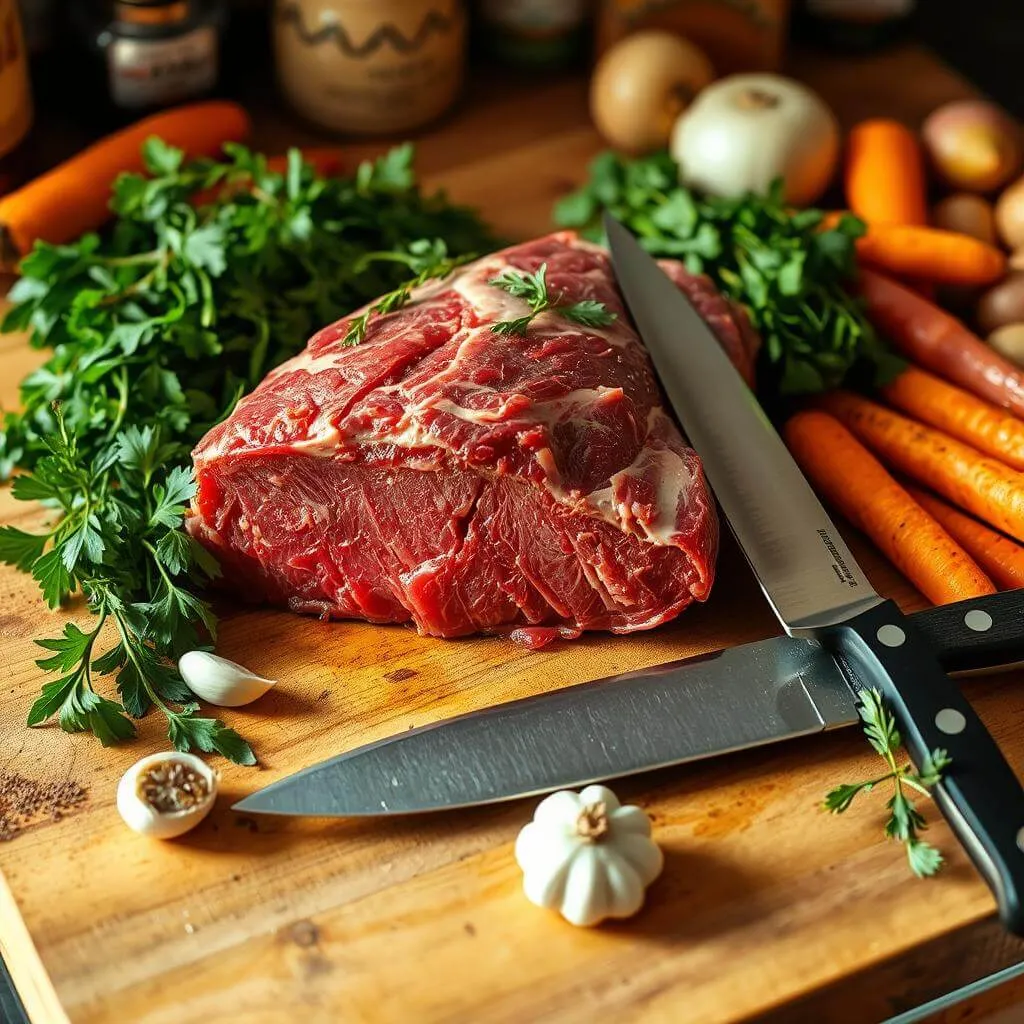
811 578
742 697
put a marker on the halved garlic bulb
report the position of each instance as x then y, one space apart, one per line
165 795
219 681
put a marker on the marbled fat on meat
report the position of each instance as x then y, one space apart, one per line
443 475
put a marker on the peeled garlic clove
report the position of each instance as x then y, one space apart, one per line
165 795
219 681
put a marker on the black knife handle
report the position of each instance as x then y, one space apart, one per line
966 640
979 794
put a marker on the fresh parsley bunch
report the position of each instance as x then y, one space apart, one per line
156 328
788 270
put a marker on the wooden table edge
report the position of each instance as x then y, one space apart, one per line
31 979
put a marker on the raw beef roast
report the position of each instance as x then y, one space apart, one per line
444 475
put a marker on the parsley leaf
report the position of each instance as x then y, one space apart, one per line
534 289
905 820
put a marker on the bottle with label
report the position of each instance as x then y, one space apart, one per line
16 111
158 53
854 24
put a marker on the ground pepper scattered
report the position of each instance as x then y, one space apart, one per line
25 801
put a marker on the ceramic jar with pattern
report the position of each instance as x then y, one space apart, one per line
370 66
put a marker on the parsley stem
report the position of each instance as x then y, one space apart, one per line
156 558
915 785
128 261
86 662
130 643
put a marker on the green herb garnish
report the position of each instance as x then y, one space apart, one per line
905 821
534 289
789 273
156 328
426 259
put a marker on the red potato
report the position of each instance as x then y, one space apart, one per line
939 342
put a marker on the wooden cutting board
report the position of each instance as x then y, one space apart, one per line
766 908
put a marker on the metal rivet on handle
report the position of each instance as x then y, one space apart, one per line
891 636
978 620
950 721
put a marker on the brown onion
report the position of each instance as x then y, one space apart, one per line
642 84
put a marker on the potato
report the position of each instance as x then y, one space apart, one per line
1010 214
1002 304
1009 341
641 85
972 145
967 214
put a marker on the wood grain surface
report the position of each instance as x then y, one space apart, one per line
767 909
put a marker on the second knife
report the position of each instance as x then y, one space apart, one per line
812 580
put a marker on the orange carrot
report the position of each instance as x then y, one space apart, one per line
885 173
853 480
999 556
980 424
941 343
971 480
327 161
72 198
945 257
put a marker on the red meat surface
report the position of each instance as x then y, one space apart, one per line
443 475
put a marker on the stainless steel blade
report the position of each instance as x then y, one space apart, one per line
804 566
743 697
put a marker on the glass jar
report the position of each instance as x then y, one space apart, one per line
370 66
159 52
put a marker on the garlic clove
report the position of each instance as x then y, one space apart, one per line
165 795
220 681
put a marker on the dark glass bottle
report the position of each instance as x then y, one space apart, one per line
132 57
158 53
854 25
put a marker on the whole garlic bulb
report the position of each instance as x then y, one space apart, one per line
587 856
165 795
220 681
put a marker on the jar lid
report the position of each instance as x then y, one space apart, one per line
151 12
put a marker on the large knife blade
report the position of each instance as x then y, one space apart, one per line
813 581
758 693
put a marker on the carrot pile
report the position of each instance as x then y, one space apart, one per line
931 467
853 480
961 415
956 530
999 556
